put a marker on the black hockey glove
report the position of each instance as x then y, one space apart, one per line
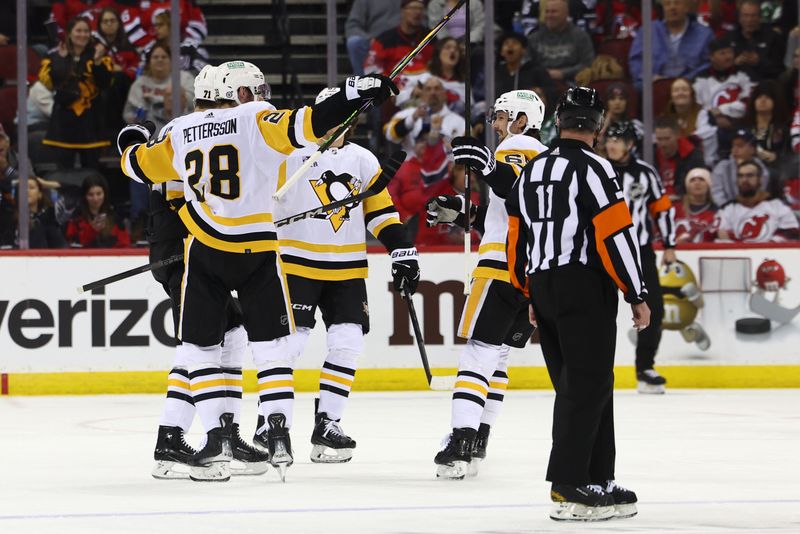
134 134
447 209
405 269
470 151
375 87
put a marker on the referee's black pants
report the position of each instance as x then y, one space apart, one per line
576 312
649 338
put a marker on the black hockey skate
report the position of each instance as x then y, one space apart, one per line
279 444
330 444
171 451
212 462
248 460
581 503
479 449
624 500
452 461
650 382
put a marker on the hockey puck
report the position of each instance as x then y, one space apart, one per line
753 325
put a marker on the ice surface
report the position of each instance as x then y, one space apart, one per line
701 461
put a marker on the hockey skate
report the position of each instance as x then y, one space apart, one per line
279 444
247 459
624 500
330 444
479 449
172 454
212 462
650 382
581 503
453 460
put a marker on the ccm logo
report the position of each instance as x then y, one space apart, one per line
302 307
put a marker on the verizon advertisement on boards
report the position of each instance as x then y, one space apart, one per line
46 326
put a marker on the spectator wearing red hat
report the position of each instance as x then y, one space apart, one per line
724 176
695 213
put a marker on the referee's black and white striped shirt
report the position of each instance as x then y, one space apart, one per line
568 207
647 202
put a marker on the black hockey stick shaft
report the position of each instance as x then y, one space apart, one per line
412 313
132 272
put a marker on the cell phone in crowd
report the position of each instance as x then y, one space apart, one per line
52 32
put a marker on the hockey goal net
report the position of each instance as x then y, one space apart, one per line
725 274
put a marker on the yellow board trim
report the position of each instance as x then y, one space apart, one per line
315 247
237 221
334 378
412 379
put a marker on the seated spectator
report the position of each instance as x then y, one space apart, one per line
719 15
449 65
695 212
766 118
456 26
40 106
790 79
443 234
559 45
724 175
193 56
759 50
388 48
43 230
77 71
192 25
752 217
680 45
692 119
431 117
95 225
368 19
792 46
617 111
516 70
675 155
722 90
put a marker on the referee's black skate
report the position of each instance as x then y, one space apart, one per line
479 449
330 444
212 462
650 382
624 500
581 503
452 461
171 454
248 460
279 444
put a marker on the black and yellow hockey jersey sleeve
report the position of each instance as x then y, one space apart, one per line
150 163
286 130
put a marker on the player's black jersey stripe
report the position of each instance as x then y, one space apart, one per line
339 368
319 264
476 376
291 134
137 169
275 371
230 238
375 214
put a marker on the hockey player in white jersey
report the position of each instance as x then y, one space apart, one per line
230 161
325 260
495 316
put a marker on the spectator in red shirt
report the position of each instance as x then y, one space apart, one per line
111 34
406 188
391 46
94 224
675 155
695 213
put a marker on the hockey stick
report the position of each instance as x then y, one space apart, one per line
389 169
280 193
467 178
436 383
132 272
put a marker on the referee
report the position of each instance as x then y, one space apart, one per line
571 233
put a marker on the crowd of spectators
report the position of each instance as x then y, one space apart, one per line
727 101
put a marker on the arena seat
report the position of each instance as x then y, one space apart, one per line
618 49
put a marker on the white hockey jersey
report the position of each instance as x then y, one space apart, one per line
230 162
517 151
759 224
729 94
452 126
333 246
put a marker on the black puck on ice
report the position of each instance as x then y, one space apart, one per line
753 325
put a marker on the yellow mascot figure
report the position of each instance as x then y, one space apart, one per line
682 299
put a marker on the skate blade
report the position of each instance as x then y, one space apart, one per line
239 468
571 511
650 389
165 470
320 455
212 472
456 471
473 467
624 511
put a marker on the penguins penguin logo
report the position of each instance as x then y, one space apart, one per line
331 187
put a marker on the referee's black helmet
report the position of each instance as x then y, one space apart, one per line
580 108
624 130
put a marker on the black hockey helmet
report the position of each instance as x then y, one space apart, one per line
622 130
580 108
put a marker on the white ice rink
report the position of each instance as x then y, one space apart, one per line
701 461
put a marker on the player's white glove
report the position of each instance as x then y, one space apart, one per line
405 269
470 151
134 134
375 87
693 293
447 209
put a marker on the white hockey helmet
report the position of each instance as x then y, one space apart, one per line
235 74
521 101
205 84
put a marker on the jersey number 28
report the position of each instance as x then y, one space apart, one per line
223 164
